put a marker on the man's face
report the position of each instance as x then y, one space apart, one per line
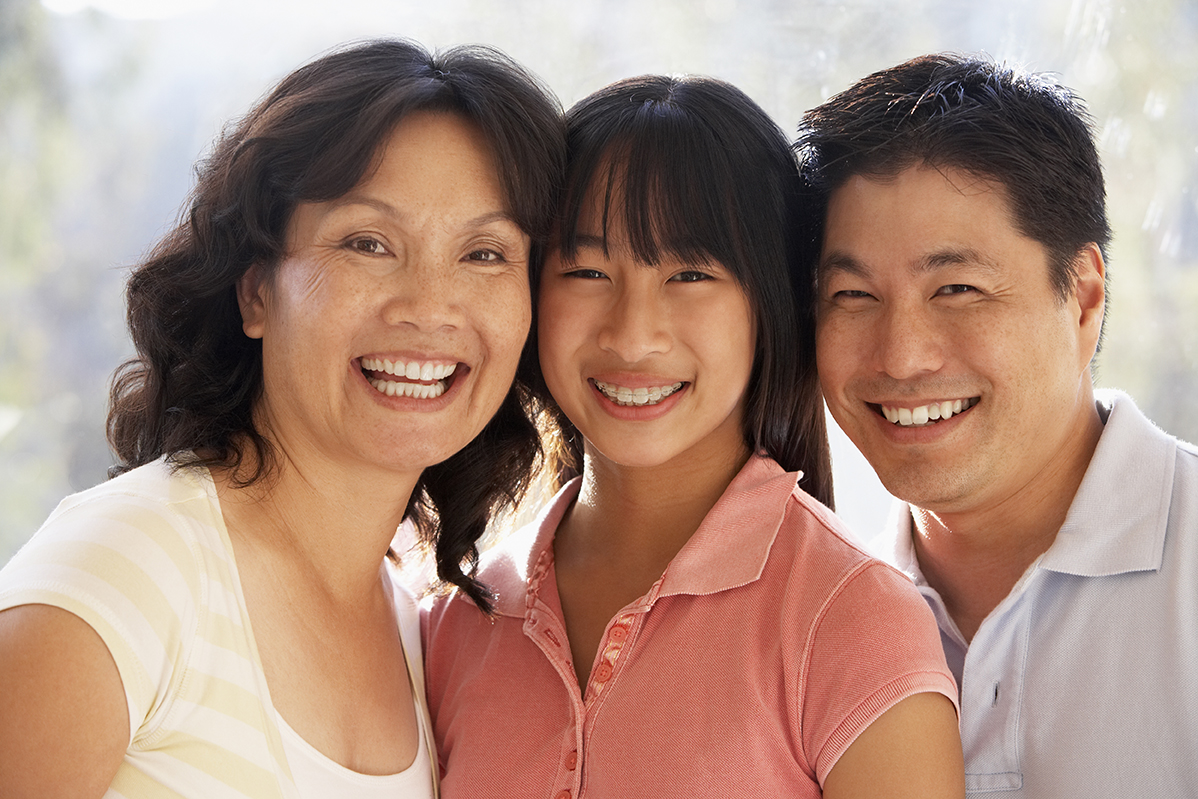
943 351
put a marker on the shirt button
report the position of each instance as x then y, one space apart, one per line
603 673
618 634
563 795
572 761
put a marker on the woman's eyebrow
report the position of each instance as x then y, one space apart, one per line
387 209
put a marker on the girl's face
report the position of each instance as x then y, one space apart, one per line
650 363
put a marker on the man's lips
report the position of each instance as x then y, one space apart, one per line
929 413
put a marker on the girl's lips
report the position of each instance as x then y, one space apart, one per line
639 395
635 411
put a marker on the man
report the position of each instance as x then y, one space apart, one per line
1053 531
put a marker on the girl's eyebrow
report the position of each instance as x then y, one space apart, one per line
590 241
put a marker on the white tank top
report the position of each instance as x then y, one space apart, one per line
319 777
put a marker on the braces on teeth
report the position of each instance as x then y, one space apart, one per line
622 395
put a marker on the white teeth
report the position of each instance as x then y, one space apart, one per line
924 414
636 396
417 390
413 370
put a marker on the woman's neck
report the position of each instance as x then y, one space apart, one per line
333 521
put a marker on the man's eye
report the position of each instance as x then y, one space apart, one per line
955 288
851 294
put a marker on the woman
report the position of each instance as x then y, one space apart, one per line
341 312
685 619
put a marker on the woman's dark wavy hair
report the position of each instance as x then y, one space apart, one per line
190 392
946 110
696 170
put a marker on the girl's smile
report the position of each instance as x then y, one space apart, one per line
648 361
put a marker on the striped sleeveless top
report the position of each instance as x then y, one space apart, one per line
145 559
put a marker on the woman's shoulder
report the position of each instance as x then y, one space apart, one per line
135 558
156 523
156 508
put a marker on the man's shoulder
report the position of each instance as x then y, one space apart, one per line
1131 440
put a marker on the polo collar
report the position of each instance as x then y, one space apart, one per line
525 555
1117 521
725 552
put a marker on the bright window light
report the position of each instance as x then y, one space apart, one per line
129 9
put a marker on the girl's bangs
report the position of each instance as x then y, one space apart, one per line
671 193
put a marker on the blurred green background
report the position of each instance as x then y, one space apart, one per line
106 105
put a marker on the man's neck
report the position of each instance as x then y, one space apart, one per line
973 557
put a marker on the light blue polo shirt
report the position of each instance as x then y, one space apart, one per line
1083 682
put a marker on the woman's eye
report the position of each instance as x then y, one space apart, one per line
368 245
485 257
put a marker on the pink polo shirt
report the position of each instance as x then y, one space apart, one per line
769 644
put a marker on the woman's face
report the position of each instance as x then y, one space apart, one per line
649 362
392 328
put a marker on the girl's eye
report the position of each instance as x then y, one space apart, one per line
585 274
368 245
691 276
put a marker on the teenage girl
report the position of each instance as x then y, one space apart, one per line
686 618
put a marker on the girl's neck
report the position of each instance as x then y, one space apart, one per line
622 532
647 514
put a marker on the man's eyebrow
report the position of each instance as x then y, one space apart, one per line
840 262
964 256
932 262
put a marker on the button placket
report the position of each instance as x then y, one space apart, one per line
613 646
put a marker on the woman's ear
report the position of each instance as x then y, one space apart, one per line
251 299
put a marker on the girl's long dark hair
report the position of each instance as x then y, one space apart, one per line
190 392
703 173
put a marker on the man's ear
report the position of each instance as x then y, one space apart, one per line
252 292
1089 293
